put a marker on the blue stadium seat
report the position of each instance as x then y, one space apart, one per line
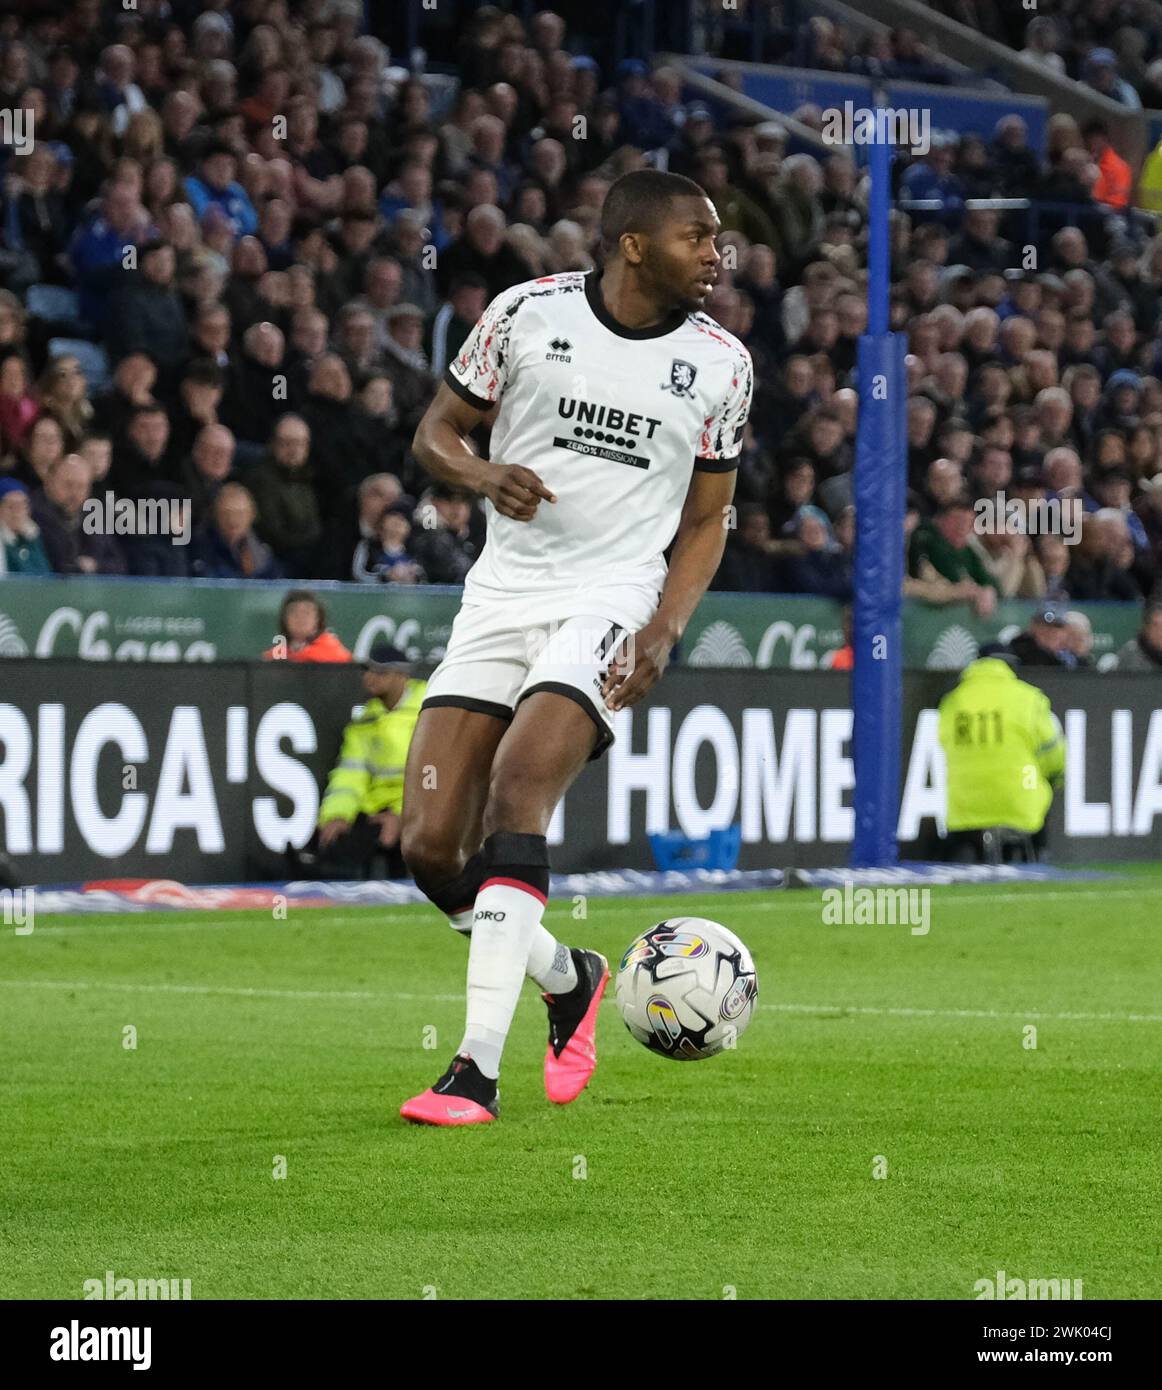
93 359
718 850
55 303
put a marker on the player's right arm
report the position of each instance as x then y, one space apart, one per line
470 393
443 446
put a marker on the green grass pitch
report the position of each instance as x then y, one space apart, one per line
749 1175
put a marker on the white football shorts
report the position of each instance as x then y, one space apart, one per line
493 661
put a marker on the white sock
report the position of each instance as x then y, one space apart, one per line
496 968
550 964
461 921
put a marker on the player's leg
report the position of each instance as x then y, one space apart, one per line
442 840
446 781
549 742
550 965
486 665
546 746
573 980
467 708
559 725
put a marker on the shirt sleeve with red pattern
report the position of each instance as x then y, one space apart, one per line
479 372
722 434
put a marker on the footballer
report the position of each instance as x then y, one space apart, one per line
617 410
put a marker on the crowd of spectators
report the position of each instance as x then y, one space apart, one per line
790 37
1113 46
1034 373
298 293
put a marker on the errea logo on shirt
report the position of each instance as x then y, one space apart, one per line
559 349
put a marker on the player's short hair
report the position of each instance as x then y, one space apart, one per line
640 201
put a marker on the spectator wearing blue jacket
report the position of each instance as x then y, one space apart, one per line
215 186
932 178
644 121
823 568
1100 71
1113 489
226 547
411 191
97 250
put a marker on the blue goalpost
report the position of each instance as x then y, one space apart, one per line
880 489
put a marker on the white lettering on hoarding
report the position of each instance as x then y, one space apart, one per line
286 775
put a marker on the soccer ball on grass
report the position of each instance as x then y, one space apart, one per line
686 988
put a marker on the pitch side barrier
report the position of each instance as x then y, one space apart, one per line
206 777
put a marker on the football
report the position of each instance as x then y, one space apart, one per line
687 988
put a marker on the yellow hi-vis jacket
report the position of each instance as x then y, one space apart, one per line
1149 190
1004 748
369 774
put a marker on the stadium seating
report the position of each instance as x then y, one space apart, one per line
93 358
297 257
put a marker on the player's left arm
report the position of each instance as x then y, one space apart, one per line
698 546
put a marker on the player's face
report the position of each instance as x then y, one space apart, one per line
682 258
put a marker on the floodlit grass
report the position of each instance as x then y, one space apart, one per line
750 1173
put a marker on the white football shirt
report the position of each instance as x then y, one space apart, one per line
614 421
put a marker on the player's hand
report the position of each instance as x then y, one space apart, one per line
637 668
516 491
330 832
